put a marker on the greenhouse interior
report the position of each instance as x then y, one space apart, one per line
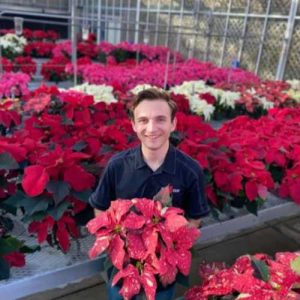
150 149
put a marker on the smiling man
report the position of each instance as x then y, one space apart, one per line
141 172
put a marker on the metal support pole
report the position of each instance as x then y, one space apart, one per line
74 41
169 24
225 34
106 21
157 23
210 22
180 26
121 19
128 19
114 21
92 14
262 37
196 22
287 41
99 21
146 34
242 39
137 21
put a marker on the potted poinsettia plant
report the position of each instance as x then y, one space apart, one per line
250 277
148 245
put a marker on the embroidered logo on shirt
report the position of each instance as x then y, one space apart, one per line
176 190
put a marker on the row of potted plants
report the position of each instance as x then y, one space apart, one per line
23 64
35 35
66 139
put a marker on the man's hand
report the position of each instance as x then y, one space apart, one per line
195 223
97 212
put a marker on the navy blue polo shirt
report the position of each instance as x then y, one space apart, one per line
127 176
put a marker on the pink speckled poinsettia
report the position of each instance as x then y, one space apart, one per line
145 241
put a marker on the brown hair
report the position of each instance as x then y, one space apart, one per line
153 94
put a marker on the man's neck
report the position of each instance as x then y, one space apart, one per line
155 158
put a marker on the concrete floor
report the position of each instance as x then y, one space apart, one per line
283 235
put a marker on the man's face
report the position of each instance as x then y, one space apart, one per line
152 123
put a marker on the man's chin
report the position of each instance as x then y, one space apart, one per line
152 147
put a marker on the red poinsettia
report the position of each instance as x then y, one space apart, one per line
61 229
57 165
250 277
144 241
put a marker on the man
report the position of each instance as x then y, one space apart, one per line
143 171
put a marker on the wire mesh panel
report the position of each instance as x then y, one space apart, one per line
234 34
216 38
293 67
272 48
238 6
280 7
258 6
253 39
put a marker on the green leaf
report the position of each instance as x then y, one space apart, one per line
83 196
80 145
7 162
182 279
295 265
3 182
40 215
91 168
4 269
9 244
32 205
261 270
6 223
59 189
32 249
8 208
15 200
57 211
252 207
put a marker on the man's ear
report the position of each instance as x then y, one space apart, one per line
174 125
133 125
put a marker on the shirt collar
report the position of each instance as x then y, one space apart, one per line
168 166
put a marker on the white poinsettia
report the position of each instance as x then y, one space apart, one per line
265 103
201 107
225 98
142 87
263 100
12 44
101 93
189 88
294 91
295 84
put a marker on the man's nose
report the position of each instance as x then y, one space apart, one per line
151 126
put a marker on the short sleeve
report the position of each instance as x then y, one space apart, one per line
105 191
196 202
